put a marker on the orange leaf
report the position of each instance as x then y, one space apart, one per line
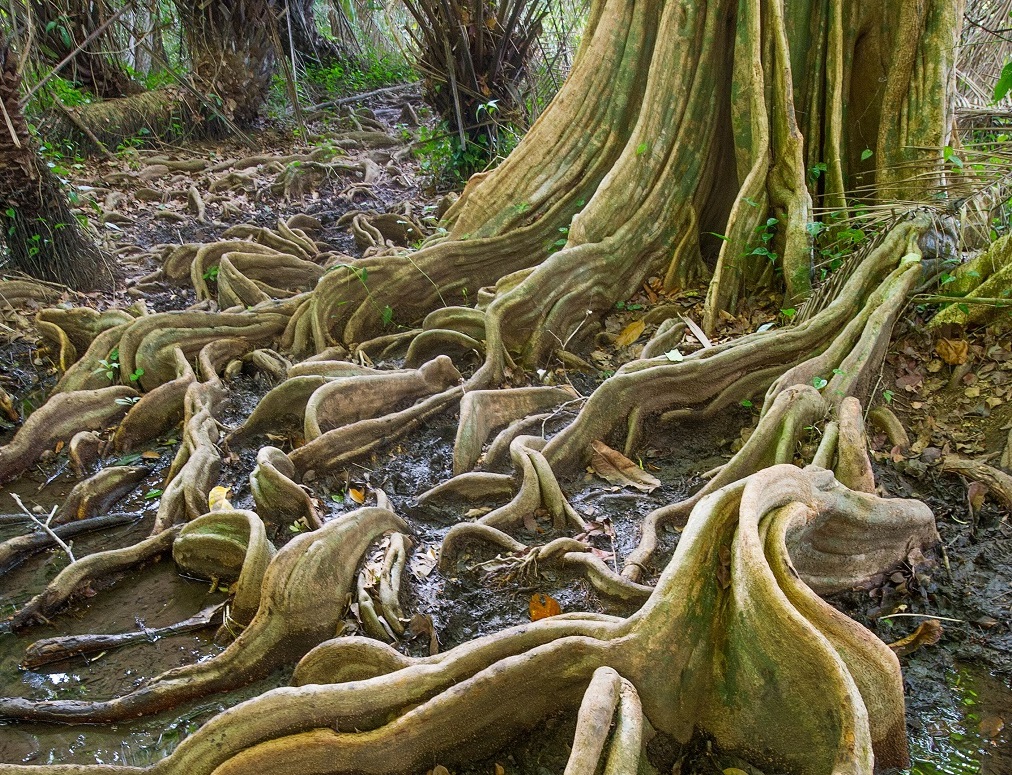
59 446
953 351
150 454
356 495
630 333
542 606
928 633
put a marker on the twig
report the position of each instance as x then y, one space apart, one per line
45 526
923 616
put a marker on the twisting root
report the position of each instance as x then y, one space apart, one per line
731 642
538 487
302 600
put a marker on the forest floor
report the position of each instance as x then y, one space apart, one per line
147 202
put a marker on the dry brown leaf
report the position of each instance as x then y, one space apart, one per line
630 333
953 351
612 466
542 606
928 633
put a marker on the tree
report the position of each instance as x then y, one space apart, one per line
298 31
691 139
69 26
42 235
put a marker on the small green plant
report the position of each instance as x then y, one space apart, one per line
211 273
137 374
109 365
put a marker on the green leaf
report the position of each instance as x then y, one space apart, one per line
888 396
746 403
642 148
789 312
152 494
1004 84
819 383
866 154
718 236
388 315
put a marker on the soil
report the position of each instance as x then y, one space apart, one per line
959 691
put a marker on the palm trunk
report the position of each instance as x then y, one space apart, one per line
42 235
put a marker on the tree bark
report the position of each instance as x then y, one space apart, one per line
42 235
61 26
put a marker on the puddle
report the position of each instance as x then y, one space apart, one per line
970 736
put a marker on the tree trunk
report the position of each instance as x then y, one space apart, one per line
232 51
42 235
311 48
60 27
692 138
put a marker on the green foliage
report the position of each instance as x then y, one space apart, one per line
449 164
1004 84
371 72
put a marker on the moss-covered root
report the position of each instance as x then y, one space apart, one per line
538 488
278 497
482 411
784 677
230 545
854 535
773 441
305 590
59 419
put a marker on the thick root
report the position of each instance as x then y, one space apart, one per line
302 600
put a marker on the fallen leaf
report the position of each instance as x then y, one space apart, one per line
976 493
953 351
991 726
423 563
542 606
630 333
420 625
59 446
928 633
612 466
217 499
697 332
356 495
150 454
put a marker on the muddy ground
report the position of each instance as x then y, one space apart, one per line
958 690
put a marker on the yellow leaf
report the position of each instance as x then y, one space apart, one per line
356 495
542 606
217 499
150 454
630 333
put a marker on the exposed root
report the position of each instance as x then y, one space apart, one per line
98 494
279 499
302 600
58 420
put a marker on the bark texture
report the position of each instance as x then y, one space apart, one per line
42 235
